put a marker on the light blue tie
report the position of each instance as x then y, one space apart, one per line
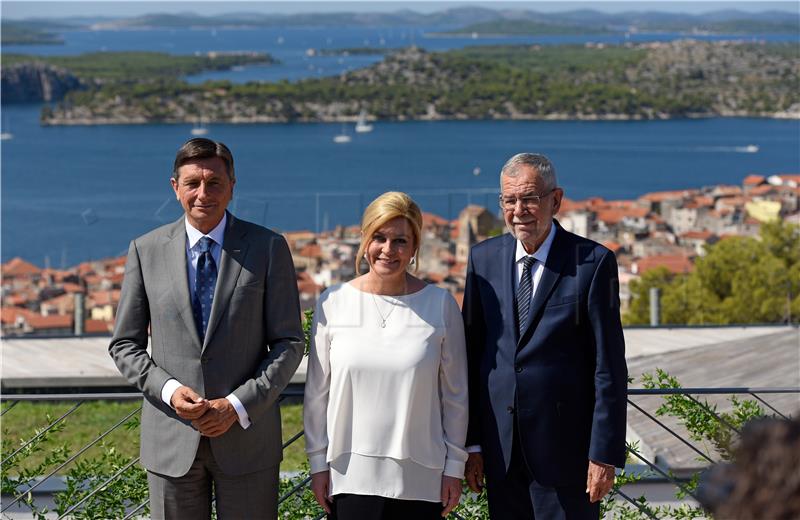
204 283
524 292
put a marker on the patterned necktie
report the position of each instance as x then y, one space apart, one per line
524 292
204 283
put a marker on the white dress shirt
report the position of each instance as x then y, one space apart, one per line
194 235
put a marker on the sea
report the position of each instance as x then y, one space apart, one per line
71 194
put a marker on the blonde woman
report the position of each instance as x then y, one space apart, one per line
386 390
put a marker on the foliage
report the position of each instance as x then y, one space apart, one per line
480 82
739 280
135 67
698 415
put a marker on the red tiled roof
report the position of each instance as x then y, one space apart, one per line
97 326
762 190
615 215
794 177
310 251
10 314
675 263
430 219
50 322
72 287
658 196
613 246
753 180
105 297
697 235
19 267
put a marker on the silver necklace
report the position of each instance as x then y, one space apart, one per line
377 308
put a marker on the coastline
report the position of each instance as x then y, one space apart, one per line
245 120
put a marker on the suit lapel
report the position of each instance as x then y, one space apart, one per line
508 304
234 249
550 275
175 259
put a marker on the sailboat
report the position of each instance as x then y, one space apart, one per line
199 128
5 135
362 126
342 138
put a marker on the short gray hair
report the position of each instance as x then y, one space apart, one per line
538 162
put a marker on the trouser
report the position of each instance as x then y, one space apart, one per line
519 496
368 507
250 496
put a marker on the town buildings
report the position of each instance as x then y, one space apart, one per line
669 229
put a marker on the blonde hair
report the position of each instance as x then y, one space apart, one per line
386 207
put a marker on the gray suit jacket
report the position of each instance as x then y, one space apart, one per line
253 344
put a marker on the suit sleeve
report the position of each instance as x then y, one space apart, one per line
475 337
611 374
283 335
128 347
317 390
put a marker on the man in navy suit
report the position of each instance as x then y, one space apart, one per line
548 380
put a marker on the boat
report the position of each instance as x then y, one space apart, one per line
362 126
750 148
5 136
199 128
343 137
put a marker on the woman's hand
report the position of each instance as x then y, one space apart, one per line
321 487
451 493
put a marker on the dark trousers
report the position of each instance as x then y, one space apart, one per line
368 507
245 497
519 496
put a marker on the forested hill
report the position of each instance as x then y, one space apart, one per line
648 81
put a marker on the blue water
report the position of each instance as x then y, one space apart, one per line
74 193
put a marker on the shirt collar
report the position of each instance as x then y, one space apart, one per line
541 254
216 234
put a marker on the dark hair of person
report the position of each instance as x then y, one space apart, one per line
202 148
765 476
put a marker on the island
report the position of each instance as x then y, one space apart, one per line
658 80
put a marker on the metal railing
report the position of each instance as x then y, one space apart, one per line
134 510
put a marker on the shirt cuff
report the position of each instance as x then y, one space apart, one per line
474 449
244 419
317 462
454 468
168 389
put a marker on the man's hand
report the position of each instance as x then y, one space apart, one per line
321 487
451 493
599 481
188 404
219 417
473 471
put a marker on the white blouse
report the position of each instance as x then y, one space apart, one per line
385 408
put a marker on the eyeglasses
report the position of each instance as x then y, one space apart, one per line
529 202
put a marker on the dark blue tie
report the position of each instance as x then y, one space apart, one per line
524 292
204 284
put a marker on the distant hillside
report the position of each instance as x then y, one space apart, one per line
27 33
647 81
524 28
505 21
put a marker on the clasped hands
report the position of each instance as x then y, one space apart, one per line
211 417
599 480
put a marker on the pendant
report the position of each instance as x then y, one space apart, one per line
383 324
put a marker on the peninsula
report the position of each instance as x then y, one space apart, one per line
645 81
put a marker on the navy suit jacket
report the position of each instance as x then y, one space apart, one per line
564 378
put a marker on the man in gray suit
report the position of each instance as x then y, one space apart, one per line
219 297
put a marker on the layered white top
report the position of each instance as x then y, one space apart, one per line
385 408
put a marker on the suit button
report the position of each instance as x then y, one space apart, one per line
510 409
517 369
